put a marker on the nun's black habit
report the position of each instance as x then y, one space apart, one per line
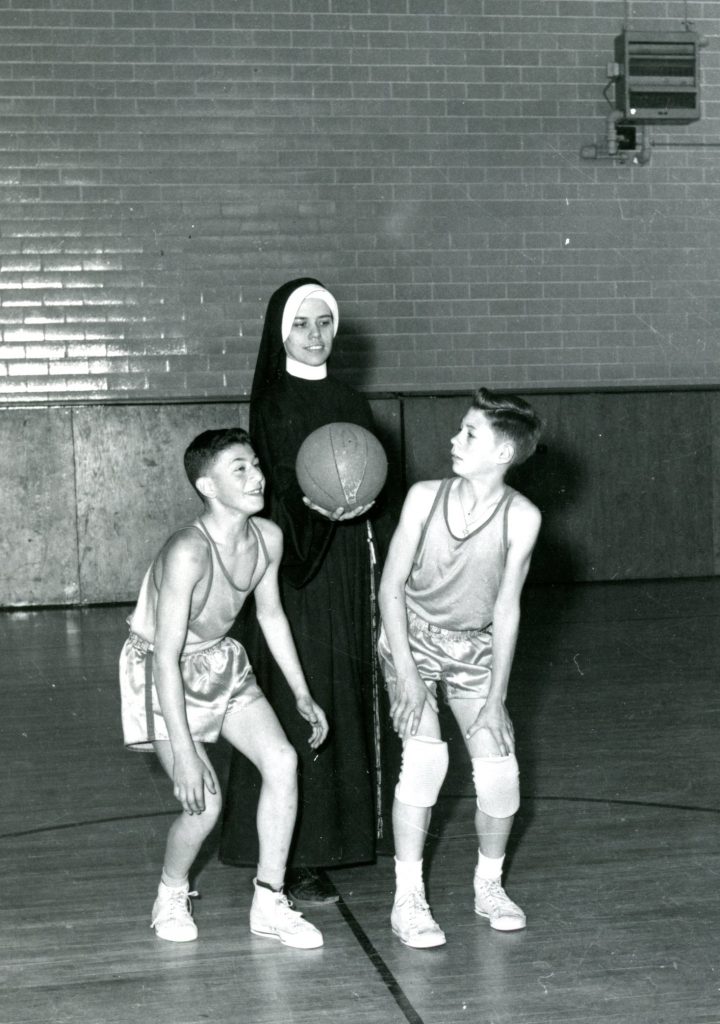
325 585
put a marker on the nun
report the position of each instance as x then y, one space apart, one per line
327 587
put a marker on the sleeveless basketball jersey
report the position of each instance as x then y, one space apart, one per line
221 600
454 581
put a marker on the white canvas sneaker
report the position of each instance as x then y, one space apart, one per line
412 921
172 914
272 916
492 902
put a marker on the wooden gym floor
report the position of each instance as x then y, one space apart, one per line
615 854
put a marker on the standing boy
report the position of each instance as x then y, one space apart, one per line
450 606
183 682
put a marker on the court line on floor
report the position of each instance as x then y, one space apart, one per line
388 978
41 829
86 824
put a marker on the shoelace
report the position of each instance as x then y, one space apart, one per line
289 915
177 904
419 908
496 895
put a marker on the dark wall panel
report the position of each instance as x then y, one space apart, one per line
38 540
623 480
628 483
429 423
387 413
714 439
132 489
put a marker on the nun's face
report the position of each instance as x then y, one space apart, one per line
311 335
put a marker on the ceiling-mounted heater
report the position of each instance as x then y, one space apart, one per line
657 79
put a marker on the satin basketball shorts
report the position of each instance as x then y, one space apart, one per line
458 661
218 680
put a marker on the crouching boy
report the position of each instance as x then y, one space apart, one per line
184 682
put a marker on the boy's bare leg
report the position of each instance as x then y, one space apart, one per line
411 918
493 833
411 824
172 911
255 731
410 829
496 783
188 832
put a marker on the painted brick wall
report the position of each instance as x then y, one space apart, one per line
165 165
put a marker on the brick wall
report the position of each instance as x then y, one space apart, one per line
165 165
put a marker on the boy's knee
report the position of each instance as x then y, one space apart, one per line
200 825
497 785
281 764
213 806
424 767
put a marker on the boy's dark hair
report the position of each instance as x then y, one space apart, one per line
512 418
205 448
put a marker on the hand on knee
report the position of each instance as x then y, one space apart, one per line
497 785
205 821
189 831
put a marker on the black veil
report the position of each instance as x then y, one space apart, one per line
270 363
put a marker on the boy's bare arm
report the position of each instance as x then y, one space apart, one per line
184 563
276 630
410 692
523 526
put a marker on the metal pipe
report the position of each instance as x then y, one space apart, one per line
611 121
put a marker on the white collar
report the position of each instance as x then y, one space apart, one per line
297 369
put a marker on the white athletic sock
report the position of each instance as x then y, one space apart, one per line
408 875
490 867
174 883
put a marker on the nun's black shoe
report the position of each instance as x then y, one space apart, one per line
310 885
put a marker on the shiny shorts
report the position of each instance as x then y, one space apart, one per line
218 680
460 662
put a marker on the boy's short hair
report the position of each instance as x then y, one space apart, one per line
205 448
511 417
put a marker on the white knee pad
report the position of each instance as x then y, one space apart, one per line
424 767
497 784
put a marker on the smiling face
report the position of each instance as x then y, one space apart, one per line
235 480
311 335
477 448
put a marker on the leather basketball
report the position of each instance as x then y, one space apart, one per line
341 465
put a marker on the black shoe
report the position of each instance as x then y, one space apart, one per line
310 885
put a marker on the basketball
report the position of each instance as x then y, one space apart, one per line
341 465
